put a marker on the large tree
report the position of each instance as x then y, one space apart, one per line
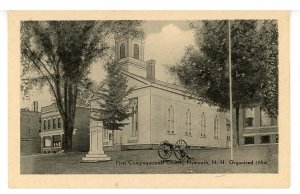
59 54
269 92
203 69
114 108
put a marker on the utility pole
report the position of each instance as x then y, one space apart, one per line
230 90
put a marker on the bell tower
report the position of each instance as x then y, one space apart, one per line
129 53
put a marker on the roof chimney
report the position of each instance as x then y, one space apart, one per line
35 106
151 70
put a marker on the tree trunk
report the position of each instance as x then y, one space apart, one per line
113 139
68 134
237 117
69 115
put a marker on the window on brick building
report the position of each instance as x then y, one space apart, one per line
265 139
122 51
59 122
54 123
56 140
249 140
49 124
276 138
136 51
249 117
47 141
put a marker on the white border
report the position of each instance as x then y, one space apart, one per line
3 101
295 97
149 4
295 103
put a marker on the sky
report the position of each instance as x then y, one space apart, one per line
165 43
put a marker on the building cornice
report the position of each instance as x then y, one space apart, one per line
53 132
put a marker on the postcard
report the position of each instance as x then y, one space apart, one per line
149 99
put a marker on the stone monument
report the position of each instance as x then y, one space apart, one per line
96 153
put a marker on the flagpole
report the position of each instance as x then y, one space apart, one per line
230 90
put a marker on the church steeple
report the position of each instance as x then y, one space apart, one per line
129 53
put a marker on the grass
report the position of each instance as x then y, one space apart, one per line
264 157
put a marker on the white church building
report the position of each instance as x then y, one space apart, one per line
161 110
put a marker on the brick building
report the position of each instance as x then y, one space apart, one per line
257 127
30 125
52 129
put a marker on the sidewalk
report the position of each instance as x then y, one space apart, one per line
256 159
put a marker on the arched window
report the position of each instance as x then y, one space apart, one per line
122 51
134 120
136 51
216 127
188 122
203 125
170 120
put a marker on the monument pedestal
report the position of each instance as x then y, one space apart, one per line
95 158
96 153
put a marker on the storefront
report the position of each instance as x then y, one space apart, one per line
51 141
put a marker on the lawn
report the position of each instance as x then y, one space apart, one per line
258 159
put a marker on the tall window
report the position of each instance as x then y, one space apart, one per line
188 123
45 124
203 125
122 51
59 122
249 117
136 51
134 120
170 120
54 123
49 124
216 127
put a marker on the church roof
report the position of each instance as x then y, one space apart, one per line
169 85
145 81
158 82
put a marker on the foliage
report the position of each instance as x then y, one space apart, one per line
204 68
114 109
59 54
269 93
